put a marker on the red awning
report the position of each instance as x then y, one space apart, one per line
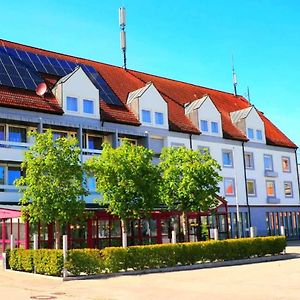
7 214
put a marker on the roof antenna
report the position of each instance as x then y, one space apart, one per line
248 94
122 23
234 78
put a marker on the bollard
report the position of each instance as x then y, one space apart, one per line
215 230
282 231
35 241
4 260
173 237
252 231
65 250
12 242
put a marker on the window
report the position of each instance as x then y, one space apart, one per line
2 174
159 118
288 190
204 125
13 174
88 106
131 141
286 166
2 133
58 134
259 135
203 149
229 186
17 134
227 158
72 104
91 184
214 127
94 142
249 160
251 188
268 162
250 133
270 185
146 116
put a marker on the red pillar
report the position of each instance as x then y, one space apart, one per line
90 233
158 231
26 246
3 235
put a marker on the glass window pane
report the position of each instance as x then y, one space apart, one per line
72 104
88 106
146 116
249 162
288 189
270 188
214 127
91 182
2 170
259 135
268 162
13 174
229 187
2 132
95 142
227 159
250 133
58 134
204 125
251 187
159 118
17 134
286 164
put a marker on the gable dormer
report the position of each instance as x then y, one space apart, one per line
77 95
249 122
149 106
205 116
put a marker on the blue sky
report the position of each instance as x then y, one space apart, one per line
191 41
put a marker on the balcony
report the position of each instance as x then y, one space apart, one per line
13 151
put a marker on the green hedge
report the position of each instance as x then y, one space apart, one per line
116 259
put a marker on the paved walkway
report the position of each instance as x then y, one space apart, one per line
272 280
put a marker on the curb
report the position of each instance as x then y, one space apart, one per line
209 265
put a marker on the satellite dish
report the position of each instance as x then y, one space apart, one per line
41 89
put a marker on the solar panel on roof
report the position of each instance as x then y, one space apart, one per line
28 64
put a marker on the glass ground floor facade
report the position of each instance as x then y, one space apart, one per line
102 229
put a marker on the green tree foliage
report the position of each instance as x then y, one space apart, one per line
127 181
53 186
189 181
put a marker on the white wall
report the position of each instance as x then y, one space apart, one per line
254 121
152 100
80 87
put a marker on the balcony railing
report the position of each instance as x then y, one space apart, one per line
91 151
15 145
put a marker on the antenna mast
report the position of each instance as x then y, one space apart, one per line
122 23
234 78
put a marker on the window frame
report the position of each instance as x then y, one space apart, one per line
8 126
233 186
202 121
291 187
77 104
150 115
254 187
155 118
231 158
272 165
261 134
217 127
248 135
274 188
93 106
252 160
289 164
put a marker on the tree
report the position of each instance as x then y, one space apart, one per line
53 186
189 181
127 180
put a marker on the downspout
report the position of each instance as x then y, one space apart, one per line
246 188
297 173
191 141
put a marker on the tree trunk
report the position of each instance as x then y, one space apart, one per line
57 235
124 233
185 227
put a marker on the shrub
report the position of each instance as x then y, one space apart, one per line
48 261
88 261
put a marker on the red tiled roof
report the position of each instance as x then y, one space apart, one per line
176 94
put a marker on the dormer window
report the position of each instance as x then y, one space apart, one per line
250 133
259 136
159 118
214 127
204 125
88 106
146 116
72 104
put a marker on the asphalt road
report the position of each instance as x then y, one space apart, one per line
271 280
